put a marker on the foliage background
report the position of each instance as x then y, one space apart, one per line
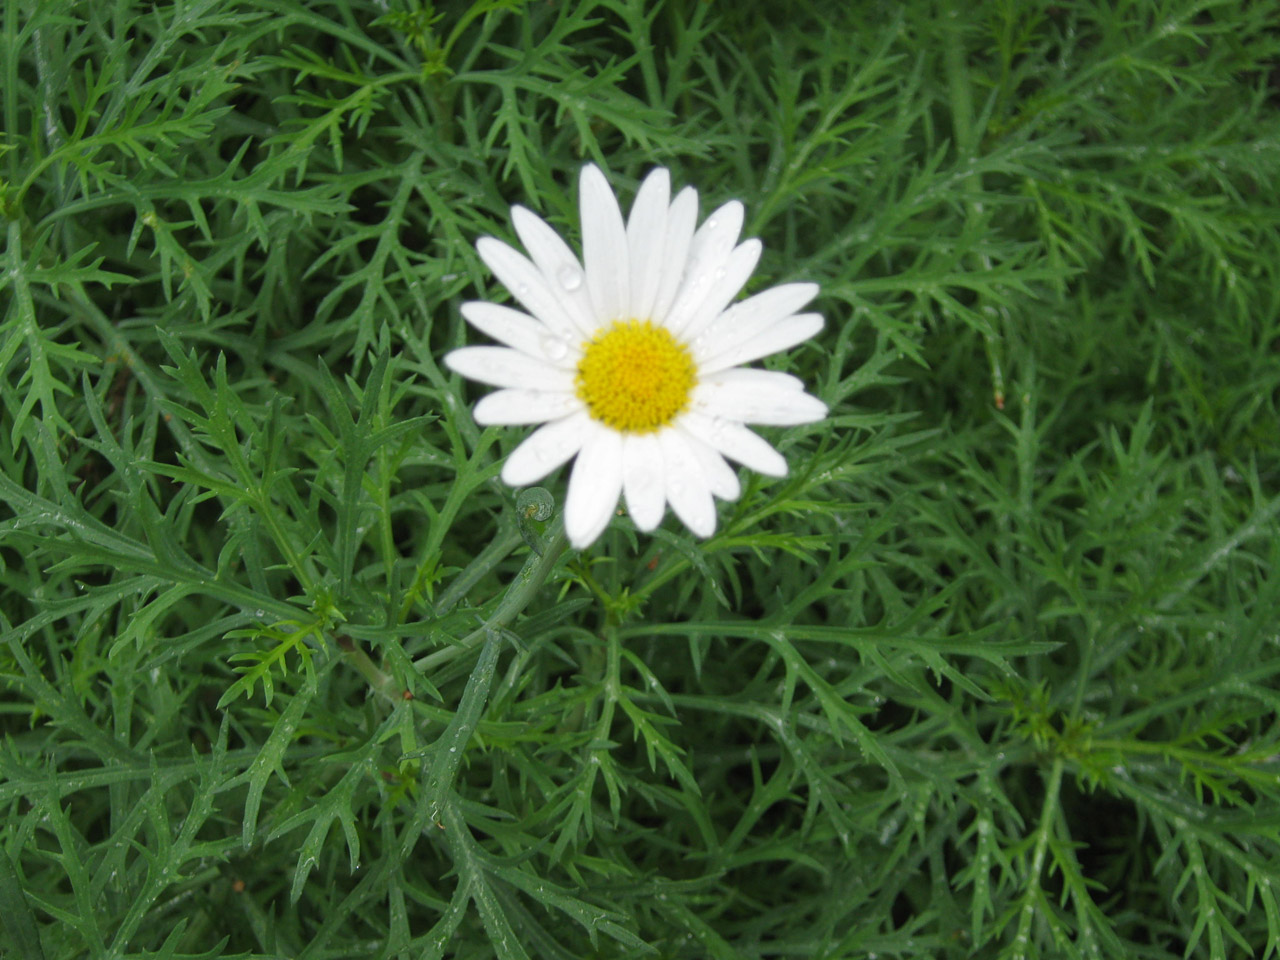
993 673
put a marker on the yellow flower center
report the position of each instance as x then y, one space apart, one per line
635 377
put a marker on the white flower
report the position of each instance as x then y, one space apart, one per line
633 363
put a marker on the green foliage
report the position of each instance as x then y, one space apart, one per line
286 671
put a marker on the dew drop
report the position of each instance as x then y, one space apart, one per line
712 223
555 348
570 278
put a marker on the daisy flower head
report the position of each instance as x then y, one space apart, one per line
631 360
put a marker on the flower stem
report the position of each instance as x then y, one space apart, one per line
519 594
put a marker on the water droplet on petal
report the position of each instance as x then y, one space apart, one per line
570 278
555 348
712 223
720 273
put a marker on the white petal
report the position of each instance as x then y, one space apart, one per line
708 252
771 378
560 268
675 251
783 334
757 401
687 489
646 237
544 450
528 285
604 247
754 315
504 367
594 486
511 327
517 407
720 477
725 284
642 483
737 443
717 236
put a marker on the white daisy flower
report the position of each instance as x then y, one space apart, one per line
632 359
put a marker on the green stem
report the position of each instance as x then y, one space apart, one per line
518 596
382 683
267 511
609 675
1022 938
612 679
386 537
142 372
958 80
955 59
498 549
11 84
